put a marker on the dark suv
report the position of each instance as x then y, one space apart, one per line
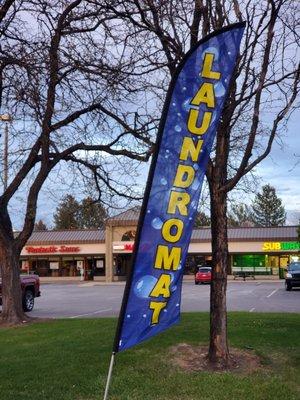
292 277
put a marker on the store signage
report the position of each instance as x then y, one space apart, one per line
126 247
277 246
52 249
189 122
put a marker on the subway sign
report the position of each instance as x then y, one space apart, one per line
278 246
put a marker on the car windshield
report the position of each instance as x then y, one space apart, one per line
204 269
295 266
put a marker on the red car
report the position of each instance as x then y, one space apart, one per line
30 285
203 275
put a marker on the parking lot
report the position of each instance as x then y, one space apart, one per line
92 299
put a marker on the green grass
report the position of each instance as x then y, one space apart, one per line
68 359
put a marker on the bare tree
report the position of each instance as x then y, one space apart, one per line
93 62
239 215
62 81
261 98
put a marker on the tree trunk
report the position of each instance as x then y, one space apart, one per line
12 310
218 348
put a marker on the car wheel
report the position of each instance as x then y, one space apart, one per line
28 301
288 286
196 283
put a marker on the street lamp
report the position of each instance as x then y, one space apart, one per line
5 118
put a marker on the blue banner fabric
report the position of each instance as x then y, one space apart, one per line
188 126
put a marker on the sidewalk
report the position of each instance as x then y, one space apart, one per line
101 280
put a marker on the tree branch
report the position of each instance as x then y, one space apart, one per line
230 184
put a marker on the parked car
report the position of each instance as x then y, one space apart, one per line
203 275
30 285
292 276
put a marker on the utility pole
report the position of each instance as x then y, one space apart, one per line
5 118
5 157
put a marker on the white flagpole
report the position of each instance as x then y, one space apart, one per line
109 375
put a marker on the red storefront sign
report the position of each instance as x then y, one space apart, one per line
129 246
125 247
52 249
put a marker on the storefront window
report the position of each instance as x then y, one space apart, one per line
54 266
122 264
96 266
99 267
41 266
249 260
65 266
257 263
68 267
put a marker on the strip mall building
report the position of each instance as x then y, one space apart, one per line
105 254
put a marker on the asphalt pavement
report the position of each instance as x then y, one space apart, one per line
91 299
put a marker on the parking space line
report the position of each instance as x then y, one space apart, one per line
92 313
271 294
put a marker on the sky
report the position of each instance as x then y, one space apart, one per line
281 169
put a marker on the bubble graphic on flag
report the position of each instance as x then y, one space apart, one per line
144 286
219 89
157 223
211 50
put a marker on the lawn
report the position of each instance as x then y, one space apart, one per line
68 359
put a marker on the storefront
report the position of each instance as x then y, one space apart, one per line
265 251
269 257
106 254
65 254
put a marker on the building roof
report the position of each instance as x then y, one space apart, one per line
282 233
279 233
67 237
128 217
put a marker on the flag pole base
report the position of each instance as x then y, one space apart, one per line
112 360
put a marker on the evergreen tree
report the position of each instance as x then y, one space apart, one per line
201 220
67 213
91 214
40 226
240 215
267 208
70 214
